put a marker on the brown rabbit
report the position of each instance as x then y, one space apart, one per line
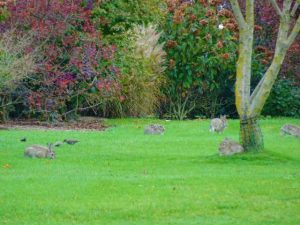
38 151
218 124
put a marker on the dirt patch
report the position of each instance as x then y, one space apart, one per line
87 124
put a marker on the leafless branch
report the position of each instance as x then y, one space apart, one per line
250 13
294 32
238 13
82 109
287 5
276 7
294 10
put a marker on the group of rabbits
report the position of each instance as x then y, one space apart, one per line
38 151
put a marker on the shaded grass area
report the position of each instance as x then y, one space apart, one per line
121 176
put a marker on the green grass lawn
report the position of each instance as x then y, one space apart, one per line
122 176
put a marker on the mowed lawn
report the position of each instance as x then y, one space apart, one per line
124 177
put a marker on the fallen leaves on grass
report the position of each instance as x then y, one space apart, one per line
6 166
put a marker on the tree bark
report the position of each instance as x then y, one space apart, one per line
251 136
243 73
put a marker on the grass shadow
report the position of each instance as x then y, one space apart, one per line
256 158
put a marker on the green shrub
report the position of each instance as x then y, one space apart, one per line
119 16
201 47
15 65
3 13
122 23
284 99
142 69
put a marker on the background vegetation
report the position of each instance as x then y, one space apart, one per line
87 59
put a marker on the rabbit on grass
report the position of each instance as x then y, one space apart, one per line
218 124
38 151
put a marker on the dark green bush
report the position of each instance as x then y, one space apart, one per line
118 16
284 99
3 13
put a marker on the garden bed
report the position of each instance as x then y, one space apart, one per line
84 123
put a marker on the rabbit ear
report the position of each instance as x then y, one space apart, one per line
50 146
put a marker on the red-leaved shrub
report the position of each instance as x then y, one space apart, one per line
74 64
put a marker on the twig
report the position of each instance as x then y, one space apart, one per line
275 5
238 13
82 109
295 31
294 10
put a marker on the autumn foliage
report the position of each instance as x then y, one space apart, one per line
268 20
84 56
73 60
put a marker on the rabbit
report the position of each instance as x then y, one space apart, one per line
218 124
39 151
154 129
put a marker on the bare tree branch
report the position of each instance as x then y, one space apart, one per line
287 5
262 90
257 88
11 103
238 13
276 6
82 109
294 10
250 13
294 32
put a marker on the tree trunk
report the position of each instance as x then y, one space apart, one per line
249 106
251 136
